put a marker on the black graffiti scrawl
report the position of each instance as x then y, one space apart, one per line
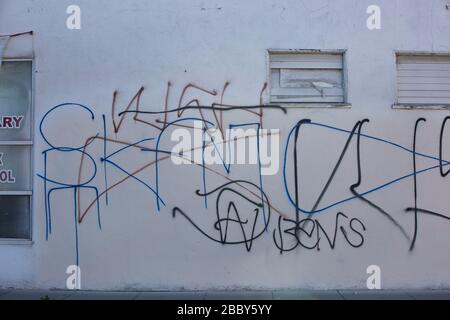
243 213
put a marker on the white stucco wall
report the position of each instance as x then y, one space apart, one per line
124 45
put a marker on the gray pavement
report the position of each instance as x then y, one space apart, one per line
20 294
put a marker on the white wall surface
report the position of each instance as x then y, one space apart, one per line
124 45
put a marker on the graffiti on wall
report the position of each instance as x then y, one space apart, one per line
240 210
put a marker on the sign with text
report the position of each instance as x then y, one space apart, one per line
15 168
15 101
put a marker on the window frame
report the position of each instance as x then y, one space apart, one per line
418 106
30 143
312 105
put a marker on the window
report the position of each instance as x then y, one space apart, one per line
15 149
423 80
307 77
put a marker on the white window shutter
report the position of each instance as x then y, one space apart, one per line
423 79
307 77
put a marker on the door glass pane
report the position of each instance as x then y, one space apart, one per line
15 166
15 100
15 217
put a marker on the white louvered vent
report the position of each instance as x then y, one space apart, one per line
306 77
423 79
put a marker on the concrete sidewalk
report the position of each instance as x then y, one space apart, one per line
18 294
